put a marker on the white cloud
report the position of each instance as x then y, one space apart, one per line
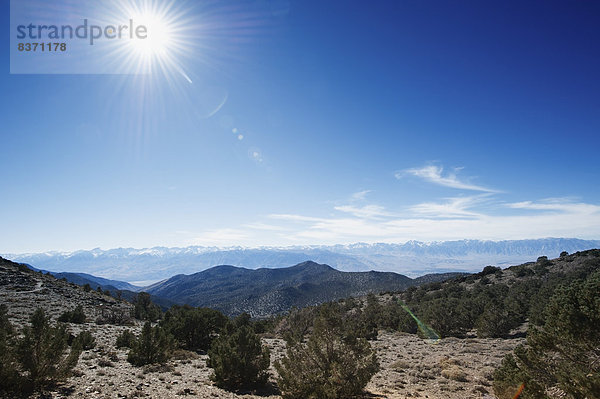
435 174
367 211
451 219
556 205
456 207
360 195
480 216
264 226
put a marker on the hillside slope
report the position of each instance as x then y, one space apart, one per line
265 292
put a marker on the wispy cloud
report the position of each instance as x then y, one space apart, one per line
456 207
360 195
455 218
366 211
435 174
556 205
479 216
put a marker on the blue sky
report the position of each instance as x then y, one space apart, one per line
311 122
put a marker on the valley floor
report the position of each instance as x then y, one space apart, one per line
410 368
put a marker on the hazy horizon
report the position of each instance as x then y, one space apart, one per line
283 247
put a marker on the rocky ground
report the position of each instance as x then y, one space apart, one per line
410 366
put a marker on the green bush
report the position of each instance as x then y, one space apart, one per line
145 309
490 270
153 346
9 375
447 316
238 358
193 328
297 324
76 316
330 365
42 354
496 321
85 340
563 352
126 339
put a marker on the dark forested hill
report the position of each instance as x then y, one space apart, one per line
265 292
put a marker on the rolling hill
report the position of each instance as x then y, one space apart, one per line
264 292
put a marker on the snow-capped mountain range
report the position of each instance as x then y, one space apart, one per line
413 258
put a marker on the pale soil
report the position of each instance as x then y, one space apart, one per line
410 368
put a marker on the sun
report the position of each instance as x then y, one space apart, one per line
164 38
156 42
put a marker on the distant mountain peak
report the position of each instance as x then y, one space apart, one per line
310 265
412 258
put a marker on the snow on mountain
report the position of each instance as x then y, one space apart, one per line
412 258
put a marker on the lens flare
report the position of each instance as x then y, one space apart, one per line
519 391
427 331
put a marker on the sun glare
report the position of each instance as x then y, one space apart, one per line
162 42
156 42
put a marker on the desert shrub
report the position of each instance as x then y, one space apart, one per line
509 377
87 287
76 316
447 316
522 271
330 365
154 345
543 260
490 270
9 376
297 324
455 373
394 317
42 353
264 326
193 328
125 340
238 358
145 309
371 317
85 340
496 320
564 351
117 317
541 269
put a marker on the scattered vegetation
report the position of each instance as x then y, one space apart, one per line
564 351
36 360
154 345
334 363
238 358
76 316
117 317
85 340
126 339
145 309
193 328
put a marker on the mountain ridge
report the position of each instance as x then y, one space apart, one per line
264 292
413 258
